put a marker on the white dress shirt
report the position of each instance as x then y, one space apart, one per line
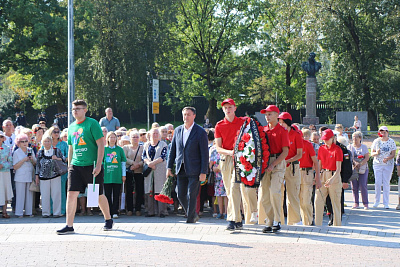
186 133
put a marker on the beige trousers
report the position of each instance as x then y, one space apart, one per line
306 189
269 194
236 191
292 181
335 193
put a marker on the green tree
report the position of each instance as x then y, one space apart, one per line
210 56
131 36
361 39
34 43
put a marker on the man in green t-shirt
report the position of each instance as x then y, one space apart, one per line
85 147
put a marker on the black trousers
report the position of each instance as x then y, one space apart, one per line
329 205
134 188
112 192
188 189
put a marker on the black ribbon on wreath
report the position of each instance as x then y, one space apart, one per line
254 124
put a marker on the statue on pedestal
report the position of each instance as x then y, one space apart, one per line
311 67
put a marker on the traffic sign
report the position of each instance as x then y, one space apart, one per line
156 90
156 108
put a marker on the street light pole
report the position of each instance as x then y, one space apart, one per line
71 66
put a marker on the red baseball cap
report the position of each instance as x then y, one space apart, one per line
327 134
285 116
228 101
270 108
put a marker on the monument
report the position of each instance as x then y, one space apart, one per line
311 67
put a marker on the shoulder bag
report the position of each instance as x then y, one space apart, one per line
60 167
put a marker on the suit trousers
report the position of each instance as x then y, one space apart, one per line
188 190
51 189
292 180
270 194
236 192
335 193
306 190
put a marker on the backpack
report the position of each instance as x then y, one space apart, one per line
347 167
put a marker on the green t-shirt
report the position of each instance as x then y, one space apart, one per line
83 138
113 158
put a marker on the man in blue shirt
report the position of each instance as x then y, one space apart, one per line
109 121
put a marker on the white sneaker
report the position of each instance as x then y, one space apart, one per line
215 215
115 216
254 217
375 205
386 207
299 223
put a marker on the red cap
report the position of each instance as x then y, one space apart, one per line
270 108
228 101
285 116
327 134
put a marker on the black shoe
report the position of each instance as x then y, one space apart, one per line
196 219
108 225
330 223
267 229
239 226
148 215
276 228
162 216
66 231
231 226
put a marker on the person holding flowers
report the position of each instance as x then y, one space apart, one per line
225 133
269 201
189 153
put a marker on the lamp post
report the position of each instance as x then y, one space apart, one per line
71 66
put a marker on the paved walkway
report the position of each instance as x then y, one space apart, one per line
367 238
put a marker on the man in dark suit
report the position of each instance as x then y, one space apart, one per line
189 151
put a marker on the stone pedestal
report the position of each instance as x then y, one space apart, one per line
311 102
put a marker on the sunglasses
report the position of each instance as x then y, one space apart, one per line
23 141
142 134
135 136
119 135
56 132
383 131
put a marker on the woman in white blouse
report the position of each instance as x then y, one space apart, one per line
383 150
24 161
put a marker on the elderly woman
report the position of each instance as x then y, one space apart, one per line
6 193
383 150
64 135
133 153
114 172
57 142
154 155
360 155
24 161
50 181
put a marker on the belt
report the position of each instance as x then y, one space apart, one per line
295 162
275 155
306 169
325 170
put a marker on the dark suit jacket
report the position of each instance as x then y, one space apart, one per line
194 153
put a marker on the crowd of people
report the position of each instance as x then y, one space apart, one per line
305 176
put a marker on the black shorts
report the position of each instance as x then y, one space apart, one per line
80 176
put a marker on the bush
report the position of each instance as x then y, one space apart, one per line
371 178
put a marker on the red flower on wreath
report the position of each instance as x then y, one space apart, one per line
246 137
241 146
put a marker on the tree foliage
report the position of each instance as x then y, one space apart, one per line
360 37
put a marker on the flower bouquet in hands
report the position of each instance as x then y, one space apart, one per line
165 195
251 153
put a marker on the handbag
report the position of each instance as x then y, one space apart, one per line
354 176
146 170
34 187
211 177
60 167
362 169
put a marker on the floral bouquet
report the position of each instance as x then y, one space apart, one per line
165 195
251 153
